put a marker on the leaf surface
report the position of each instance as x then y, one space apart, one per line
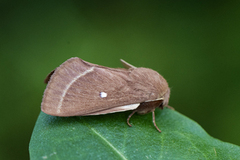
109 137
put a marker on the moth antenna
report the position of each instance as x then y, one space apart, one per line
127 65
130 117
153 117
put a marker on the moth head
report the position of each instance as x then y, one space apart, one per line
166 98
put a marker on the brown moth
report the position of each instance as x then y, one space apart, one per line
80 88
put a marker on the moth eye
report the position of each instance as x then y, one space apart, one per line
103 94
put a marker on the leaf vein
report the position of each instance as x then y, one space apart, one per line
115 149
193 144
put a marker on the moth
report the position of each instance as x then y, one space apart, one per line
80 88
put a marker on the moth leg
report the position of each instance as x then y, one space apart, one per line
153 117
170 107
130 117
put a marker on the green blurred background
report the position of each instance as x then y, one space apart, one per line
195 45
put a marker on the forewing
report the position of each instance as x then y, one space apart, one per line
81 88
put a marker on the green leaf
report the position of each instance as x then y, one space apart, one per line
109 137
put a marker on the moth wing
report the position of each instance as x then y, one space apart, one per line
80 88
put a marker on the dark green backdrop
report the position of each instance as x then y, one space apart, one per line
195 45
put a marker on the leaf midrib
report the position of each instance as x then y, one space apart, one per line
108 143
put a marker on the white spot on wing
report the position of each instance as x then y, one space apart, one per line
103 94
69 85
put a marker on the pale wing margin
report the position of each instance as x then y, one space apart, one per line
116 109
